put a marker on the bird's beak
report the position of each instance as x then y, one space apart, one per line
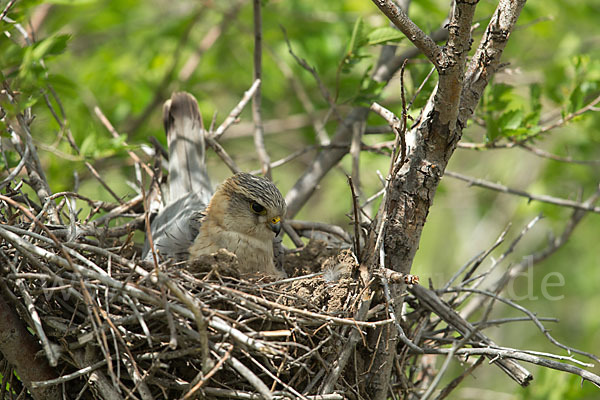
275 225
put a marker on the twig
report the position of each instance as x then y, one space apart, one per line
476 260
343 357
419 38
544 129
431 387
247 374
69 377
206 377
159 92
501 354
259 136
237 110
505 189
545 154
421 86
356 219
390 304
320 226
300 92
22 162
222 154
456 381
302 62
293 235
237 394
7 9
96 175
432 302
194 307
115 135
49 348
329 318
208 41
531 316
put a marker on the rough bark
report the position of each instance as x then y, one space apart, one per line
434 137
25 354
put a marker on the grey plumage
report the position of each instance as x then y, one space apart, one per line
175 227
187 167
189 190
241 217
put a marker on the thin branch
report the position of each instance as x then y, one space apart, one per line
300 92
419 38
456 381
502 354
304 64
486 60
115 135
431 301
320 226
207 42
24 160
7 9
237 110
259 136
548 155
217 148
356 218
591 106
160 91
505 189
531 315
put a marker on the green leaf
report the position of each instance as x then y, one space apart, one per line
52 45
62 83
358 39
492 132
384 35
511 119
499 97
575 99
535 95
88 145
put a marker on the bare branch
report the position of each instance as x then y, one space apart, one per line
486 60
432 302
543 198
419 38
237 110
451 68
591 106
508 354
259 137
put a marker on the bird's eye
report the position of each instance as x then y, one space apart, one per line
257 208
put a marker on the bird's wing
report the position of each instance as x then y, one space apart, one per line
187 169
175 228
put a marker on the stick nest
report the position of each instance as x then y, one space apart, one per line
105 319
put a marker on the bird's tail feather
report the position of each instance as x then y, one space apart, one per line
187 168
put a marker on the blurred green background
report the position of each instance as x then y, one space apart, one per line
127 56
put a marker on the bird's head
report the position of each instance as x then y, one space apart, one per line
249 205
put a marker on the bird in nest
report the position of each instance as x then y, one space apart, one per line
243 215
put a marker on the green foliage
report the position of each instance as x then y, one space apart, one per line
362 40
509 115
555 385
384 35
121 54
